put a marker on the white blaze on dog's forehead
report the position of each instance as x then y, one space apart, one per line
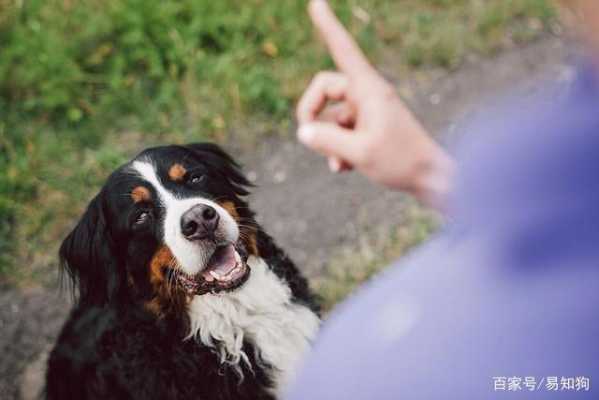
148 172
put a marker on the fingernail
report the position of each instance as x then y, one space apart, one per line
334 164
306 133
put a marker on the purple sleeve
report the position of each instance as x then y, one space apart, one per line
504 303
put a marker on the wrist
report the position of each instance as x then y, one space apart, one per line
432 178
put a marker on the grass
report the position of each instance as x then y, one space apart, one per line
84 84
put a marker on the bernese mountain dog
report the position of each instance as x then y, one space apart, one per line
180 293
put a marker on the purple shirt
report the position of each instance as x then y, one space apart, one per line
504 302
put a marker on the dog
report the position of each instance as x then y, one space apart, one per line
180 294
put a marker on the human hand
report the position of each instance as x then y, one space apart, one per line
368 128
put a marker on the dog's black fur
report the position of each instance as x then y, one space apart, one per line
125 336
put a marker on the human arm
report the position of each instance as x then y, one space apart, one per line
369 128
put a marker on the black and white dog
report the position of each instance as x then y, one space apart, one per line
181 294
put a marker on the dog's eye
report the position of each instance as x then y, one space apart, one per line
196 179
142 217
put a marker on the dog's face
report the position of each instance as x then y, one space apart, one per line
170 224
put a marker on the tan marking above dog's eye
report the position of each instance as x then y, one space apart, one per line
140 194
177 172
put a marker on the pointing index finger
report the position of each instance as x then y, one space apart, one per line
345 52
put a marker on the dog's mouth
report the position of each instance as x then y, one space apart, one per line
227 269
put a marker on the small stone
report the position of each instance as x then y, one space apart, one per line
280 177
252 176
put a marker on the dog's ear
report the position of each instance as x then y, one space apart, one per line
88 257
222 162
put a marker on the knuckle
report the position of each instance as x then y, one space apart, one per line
301 106
327 77
321 79
322 76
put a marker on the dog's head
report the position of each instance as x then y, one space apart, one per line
170 224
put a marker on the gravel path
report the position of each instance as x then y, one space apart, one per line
308 210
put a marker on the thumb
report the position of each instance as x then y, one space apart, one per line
331 140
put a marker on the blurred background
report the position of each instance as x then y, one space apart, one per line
86 84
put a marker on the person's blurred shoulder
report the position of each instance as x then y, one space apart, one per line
527 167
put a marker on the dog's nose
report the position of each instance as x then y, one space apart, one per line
199 222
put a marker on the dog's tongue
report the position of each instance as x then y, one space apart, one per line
222 262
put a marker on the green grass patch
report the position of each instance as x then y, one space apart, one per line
84 84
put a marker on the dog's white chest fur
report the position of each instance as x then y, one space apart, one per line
260 312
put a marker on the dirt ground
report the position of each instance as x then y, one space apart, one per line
308 210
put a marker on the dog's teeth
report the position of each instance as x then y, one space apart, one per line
208 277
234 270
215 275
